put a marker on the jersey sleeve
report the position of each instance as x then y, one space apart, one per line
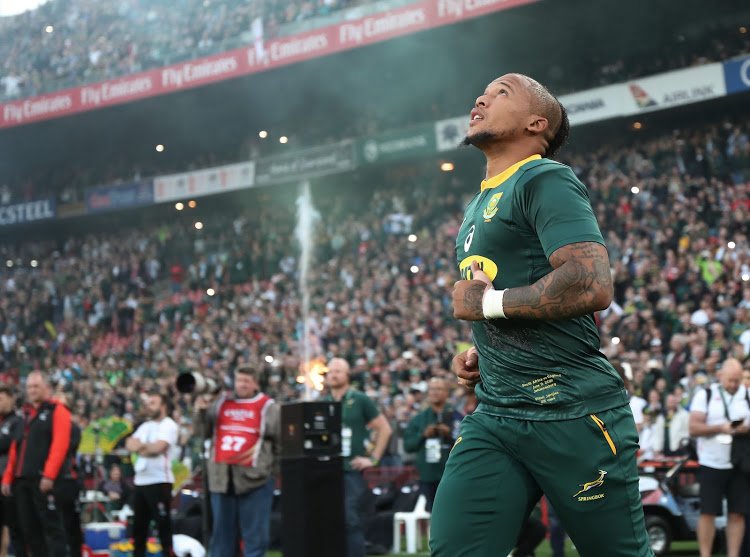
58 451
556 206
699 404
369 409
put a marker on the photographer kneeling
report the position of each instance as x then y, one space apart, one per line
245 429
718 414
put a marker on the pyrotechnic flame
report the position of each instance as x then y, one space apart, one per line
312 372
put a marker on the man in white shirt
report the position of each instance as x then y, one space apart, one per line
153 474
717 412
670 428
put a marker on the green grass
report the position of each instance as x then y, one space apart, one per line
544 550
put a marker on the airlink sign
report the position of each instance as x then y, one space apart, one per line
737 75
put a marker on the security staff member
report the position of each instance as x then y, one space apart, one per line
431 434
358 414
35 463
11 429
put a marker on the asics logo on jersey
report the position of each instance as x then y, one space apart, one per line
591 485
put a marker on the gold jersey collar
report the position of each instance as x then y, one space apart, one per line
507 173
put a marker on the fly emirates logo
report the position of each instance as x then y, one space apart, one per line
373 27
188 73
36 108
456 8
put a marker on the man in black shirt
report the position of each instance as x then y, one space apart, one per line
11 428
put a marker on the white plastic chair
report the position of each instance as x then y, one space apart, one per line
411 522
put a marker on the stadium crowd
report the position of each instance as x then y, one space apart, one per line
103 40
113 316
96 41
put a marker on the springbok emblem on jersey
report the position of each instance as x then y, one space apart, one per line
591 485
491 208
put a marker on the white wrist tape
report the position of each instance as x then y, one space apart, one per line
492 304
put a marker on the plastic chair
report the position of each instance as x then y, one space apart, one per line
411 522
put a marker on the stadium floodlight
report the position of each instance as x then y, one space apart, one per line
446 166
198 225
192 203
283 139
179 206
731 245
412 238
269 359
745 277
414 269
159 148
34 263
635 189
263 134
210 291
615 340
9 263
49 29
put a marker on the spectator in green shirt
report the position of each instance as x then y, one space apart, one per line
431 434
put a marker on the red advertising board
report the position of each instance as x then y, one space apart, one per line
374 28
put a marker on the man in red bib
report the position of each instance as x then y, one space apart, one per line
245 429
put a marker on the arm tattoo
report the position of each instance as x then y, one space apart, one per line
580 284
473 300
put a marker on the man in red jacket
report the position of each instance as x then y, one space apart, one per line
35 463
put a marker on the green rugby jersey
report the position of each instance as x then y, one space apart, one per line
535 370
357 410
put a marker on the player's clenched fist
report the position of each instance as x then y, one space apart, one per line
466 367
468 295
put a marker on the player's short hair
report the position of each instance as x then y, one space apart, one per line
561 135
544 103
6 390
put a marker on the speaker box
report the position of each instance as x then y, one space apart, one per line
311 429
312 507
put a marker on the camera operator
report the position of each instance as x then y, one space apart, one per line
717 413
245 429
